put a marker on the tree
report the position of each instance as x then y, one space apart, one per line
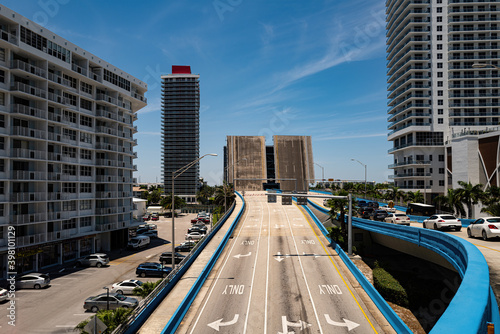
111 318
224 195
339 205
204 194
166 202
450 202
492 209
145 289
409 197
418 197
154 196
491 195
470 195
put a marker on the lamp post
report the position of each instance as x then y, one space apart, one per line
362 164
107 297
176 174
322 171
425 183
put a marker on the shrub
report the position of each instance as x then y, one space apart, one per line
389 287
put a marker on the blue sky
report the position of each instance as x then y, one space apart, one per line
267 68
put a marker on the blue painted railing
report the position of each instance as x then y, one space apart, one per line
179 313
474 304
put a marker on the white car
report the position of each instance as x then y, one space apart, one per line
398 218
388 209
439 222
125 287
194 236
3 294
485 228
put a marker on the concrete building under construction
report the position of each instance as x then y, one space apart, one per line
251 165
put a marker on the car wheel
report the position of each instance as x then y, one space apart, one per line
119 292
485 237
436 226
458 229
94 309
469 233
425 226
98 265
143 275
37 286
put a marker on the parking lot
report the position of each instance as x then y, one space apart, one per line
59 308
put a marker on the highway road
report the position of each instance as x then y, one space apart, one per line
277 276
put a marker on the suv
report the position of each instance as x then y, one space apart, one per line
379 215
152 269
374 205
98 260
185 246
166 257
365 212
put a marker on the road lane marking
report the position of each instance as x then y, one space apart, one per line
337 269
496 250
304 273
241 255
218 323
123 259
285 324
268 265
347 323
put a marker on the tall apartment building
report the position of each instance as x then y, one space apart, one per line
181 131
66 147
442 80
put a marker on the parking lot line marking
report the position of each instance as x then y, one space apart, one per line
65 326
115 262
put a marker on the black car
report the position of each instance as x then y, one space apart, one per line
185 246
152 269
379 215
362 204
197 229
365 212
374 205
166 257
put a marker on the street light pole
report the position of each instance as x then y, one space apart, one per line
176 174
362 164
322 172
107 297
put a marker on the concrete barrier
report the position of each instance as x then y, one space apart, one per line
474 304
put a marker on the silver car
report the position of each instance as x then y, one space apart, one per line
116 300
93 260
32 281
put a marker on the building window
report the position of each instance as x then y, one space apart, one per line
441 170
2 121
85 154
69 206
69 187
86 121
85 187
430 183
85 171
69 224
69 152
440 74
439 28
70 99
439 9
116 80
439 65
440 121
439 37
440 111
439 56
70 81
430 170
69 116
85 104
2 213
2 143
441 183
69 169
440 93
440 84
2 165
86 88
441 157
440 102
2 188
439 19
69 134
85 221
85 137
86 204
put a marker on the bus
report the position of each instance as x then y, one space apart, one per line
420 209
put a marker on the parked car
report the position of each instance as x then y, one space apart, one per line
439 222
32 281
4 294
397 218
379 215
149 226
166 257
148 233
185 246
374 205
152 269
93 260
194 236
125 287
155 218
138 242
485 228
388 209
115 300
197 229
146 217
362 203
365 212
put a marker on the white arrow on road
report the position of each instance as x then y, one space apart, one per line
347 323
278 226
299 225
218 323
241 255
280 258
285 323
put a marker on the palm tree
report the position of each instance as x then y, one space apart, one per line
111 318
409 197
470 195
145 289
224 195
491 195
418 197
166 202
395 194
154 196
339 205
450 202
492 209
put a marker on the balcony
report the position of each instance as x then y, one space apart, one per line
410 163
409 175
29 111
26 175
106 211
19 64
106 227
32 90
27 197
27 154
8 37
28 218
27 132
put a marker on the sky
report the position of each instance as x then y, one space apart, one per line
313 68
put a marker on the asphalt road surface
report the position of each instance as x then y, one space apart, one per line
277 276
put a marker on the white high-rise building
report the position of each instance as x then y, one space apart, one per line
66 148
442 81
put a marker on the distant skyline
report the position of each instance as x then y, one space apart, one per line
266 68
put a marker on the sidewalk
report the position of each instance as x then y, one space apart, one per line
160 317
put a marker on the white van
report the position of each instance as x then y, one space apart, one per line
140 241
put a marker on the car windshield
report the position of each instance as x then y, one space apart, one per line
400 215
493 220
448 217
120 297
